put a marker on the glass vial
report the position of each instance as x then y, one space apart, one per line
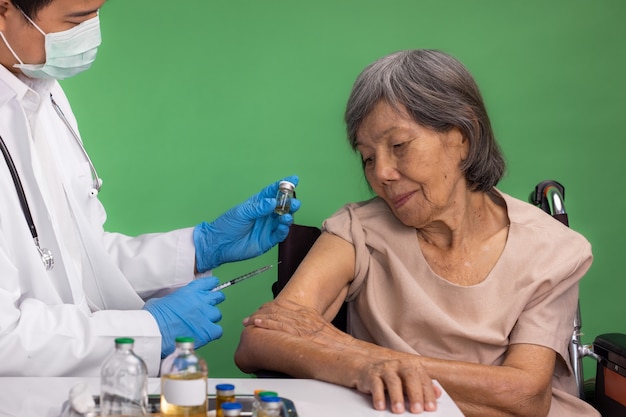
270 406
184 379
224 393
124 382
232 409
283 197
256 402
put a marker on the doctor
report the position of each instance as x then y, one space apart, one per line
67 287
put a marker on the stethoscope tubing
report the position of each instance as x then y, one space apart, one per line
97 183
46 255
19 188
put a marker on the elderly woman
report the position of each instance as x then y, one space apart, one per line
445 276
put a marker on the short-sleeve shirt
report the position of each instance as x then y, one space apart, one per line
530 296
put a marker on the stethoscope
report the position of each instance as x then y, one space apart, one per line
46 254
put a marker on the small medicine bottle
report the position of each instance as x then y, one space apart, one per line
224 393
256 403
283 197
184 379
232 409
269 406
124 382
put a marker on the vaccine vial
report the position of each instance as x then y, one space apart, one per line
256 403
283 197
270 406
224 393
232 409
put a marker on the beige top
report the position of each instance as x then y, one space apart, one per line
530 296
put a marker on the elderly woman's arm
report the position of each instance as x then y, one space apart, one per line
293 335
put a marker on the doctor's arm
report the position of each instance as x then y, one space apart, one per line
293 335
154 261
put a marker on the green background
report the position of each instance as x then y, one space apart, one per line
194 105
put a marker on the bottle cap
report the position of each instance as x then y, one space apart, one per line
286 184
184 342
270 399
232 406
124 343
271 402
184 339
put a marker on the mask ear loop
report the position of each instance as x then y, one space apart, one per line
11 49
30 20
7 42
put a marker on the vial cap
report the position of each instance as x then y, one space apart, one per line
271 403
286 184
270 399
232 406
184 339
225 387
184 342
268 394
124 341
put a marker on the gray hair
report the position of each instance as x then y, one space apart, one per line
438 92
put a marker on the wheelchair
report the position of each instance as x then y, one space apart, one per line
607 392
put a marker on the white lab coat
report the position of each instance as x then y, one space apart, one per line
63 322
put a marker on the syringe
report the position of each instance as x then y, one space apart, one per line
242 277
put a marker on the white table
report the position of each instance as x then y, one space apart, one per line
43 397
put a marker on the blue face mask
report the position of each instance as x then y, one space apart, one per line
67 53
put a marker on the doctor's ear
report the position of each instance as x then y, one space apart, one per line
5 6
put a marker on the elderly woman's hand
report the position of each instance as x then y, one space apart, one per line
298 320
403 379
374 370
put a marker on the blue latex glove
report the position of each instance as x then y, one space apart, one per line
245 231
188 311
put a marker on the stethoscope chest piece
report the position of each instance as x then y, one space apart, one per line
46 255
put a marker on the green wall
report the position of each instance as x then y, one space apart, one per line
194 105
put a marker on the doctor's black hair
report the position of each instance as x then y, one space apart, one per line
31 7
438 92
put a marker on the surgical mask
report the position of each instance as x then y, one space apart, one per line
67 53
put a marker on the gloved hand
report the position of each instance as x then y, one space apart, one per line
245 231
188 311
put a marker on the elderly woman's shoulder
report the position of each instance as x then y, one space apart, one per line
537 221
367 222
374 207
372 213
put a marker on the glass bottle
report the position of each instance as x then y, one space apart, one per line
124 382
256 402
232 409
283 197
224 393
184 379
269 406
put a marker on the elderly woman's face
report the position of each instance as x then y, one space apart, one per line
413 168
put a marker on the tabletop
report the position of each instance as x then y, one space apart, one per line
44 397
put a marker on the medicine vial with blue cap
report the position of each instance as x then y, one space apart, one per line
283 197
